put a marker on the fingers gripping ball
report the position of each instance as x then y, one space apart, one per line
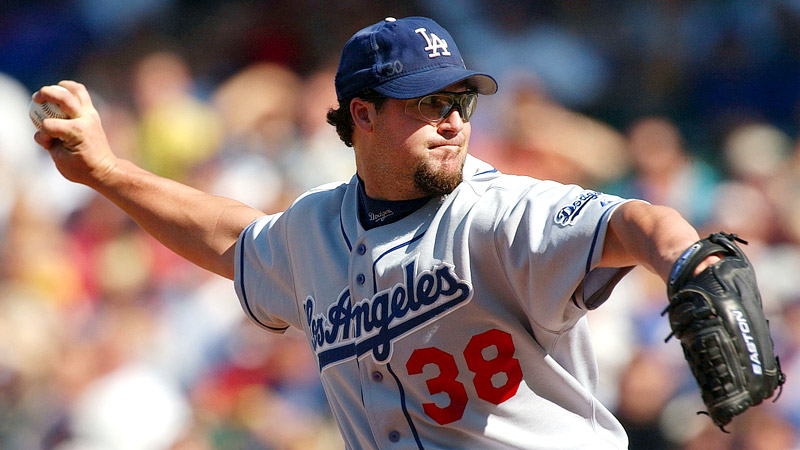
40 111
719 319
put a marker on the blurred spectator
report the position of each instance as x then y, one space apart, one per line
318 156
37 256
755 152
743 209
783 187
16 150
759 156
520 36
761 429
788 350
130 405
665 172
258 106
542 139
747 211
630 323
29 327
265 391
645 387
176 130
710 438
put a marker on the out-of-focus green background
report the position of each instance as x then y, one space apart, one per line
109 341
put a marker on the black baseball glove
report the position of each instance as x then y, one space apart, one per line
719 319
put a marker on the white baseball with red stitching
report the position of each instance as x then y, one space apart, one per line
40 111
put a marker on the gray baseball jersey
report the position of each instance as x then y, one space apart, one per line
460 326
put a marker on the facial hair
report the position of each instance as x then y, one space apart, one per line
437 182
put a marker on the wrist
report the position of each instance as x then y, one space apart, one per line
109 173
681 250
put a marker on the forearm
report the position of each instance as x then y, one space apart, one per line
202 228
650 235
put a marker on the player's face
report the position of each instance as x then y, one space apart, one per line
427 155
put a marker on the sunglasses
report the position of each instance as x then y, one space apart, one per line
435 108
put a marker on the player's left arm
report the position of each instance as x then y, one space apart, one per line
653 236
714 308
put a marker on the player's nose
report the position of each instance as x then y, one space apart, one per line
453 122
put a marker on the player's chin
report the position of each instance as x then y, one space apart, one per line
439 177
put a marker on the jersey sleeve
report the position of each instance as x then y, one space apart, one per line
550 242
262 274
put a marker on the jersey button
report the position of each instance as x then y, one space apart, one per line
362 249
360 278
394 436
377 376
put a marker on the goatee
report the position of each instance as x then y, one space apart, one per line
434 182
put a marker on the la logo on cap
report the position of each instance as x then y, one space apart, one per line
434 43
400 59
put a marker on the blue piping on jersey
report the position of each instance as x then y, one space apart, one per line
404 244
405 408
484 173
594 244
241 286
344 234
400 329
596 234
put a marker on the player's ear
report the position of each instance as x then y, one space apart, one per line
362 113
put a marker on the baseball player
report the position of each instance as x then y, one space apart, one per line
444 302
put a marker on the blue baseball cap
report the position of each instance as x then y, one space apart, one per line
403 59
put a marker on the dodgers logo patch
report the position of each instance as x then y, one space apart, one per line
568 214
351 329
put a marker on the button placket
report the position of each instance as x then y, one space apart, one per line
358 267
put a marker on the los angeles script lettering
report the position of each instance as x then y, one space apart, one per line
374 322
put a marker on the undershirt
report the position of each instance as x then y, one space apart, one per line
374 213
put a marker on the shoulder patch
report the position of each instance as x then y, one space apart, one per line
567 214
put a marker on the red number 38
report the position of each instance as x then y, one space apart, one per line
483 369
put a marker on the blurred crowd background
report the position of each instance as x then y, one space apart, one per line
110 341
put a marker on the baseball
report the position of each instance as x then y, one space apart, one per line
40 111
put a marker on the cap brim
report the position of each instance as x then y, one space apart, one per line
430 81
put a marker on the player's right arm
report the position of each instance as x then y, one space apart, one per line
201 227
